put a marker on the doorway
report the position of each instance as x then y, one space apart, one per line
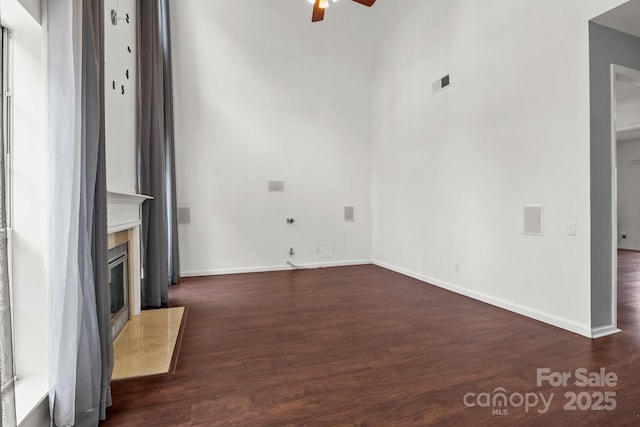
611 41
625 120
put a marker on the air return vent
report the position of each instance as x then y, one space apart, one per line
276 185
348 213
184 215
441 83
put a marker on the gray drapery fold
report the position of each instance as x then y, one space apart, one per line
89 372
93 393
95 53
156 170
7 378
81 347
174 261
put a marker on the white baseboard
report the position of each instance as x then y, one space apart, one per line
516 308
604 331
264 269
628 247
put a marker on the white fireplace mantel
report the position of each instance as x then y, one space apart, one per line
123 210
124 213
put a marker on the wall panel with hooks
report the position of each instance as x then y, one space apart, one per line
120 89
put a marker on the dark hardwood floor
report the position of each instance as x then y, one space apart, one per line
363 346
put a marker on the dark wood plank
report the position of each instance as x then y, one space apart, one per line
366 346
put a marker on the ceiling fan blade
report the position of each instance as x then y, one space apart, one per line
318 12
365 2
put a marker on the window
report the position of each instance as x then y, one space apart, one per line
6 131
7 356
25 116
5 159
22 145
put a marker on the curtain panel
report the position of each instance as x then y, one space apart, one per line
156 166
80 343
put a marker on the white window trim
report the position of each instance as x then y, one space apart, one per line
30 392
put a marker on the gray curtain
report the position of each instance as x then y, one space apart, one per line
7 381
174 261
93 98
156 166
81 350
93 393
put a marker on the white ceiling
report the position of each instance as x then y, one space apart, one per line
625 18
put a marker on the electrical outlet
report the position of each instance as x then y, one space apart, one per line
325 251
457 267
571 229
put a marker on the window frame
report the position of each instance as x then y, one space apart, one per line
6 73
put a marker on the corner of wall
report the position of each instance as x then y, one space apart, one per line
34 7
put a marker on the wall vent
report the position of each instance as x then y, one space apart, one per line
533 220
184 215
276 185
441 83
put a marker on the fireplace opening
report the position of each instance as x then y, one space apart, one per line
119 284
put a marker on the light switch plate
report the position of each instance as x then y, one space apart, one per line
533 220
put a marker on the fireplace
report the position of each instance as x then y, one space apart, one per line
119 284
123 226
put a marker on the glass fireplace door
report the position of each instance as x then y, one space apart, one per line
119 285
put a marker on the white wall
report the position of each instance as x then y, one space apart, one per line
34 7
629 194
29 192
628 114
452 172
261 93
120 109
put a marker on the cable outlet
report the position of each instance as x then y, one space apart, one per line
291 252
